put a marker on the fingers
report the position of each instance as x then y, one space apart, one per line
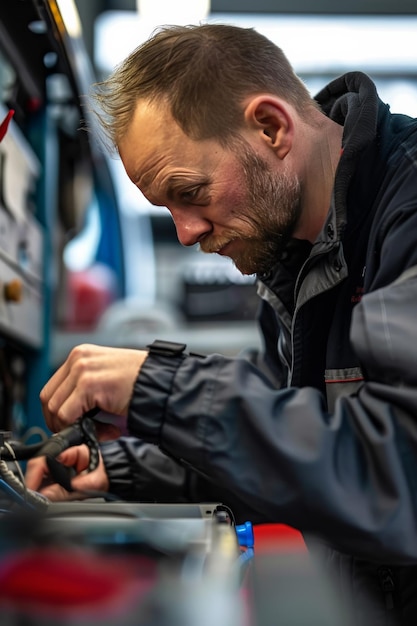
60 405
81 485
36 472
77 457
92 481
56 493
38 476
92 376
47 393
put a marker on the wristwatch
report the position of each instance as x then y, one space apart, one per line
167 348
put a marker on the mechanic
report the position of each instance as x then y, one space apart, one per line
318 198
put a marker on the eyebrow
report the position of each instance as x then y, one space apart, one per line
171 185
179 181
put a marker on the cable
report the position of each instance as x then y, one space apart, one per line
21 452
14 459
34 430
19 492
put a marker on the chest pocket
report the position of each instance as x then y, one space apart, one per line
341 382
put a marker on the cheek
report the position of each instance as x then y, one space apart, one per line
234 201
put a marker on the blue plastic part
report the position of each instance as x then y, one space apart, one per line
245 535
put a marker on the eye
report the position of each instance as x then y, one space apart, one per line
197 195
190 195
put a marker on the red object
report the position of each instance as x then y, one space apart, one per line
5 124
90 293
66 579
278 538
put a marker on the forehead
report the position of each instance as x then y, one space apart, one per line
151 128
155 146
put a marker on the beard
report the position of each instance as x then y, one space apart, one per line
271 214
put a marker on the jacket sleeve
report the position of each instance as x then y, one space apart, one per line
141 472
348 477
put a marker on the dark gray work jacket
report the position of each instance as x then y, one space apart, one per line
320 431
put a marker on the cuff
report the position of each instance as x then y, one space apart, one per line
117 466
150 395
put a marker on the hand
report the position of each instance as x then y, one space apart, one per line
38 478
91 377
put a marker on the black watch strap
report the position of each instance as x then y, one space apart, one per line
166 348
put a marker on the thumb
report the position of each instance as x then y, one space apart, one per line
92 481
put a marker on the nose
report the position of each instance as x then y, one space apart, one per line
191 228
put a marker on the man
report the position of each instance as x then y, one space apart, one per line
318 198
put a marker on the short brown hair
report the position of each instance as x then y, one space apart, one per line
204 73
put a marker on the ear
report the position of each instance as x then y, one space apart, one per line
273 119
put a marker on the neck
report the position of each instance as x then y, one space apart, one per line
320 164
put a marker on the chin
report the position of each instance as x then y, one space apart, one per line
244 268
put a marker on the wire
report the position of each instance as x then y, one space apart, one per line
18 468
34 430
21 452
226 509
19 492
